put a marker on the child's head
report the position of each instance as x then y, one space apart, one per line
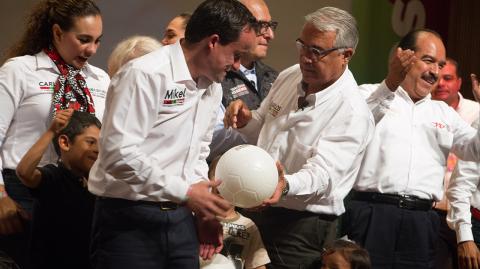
77 143
343 254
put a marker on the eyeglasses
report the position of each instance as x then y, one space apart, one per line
262 26
316 52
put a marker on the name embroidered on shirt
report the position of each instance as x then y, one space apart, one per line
439 125
274 109
239 90
46 85
97 92
174 97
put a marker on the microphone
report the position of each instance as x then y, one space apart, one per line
302 103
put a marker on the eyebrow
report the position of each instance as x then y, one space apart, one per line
89 36
313 46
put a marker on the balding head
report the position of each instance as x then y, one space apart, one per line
260 11
257 7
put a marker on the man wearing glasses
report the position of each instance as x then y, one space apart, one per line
317 125
250 81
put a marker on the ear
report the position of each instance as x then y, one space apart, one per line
213 41
64 143
347 54
459 82
57 33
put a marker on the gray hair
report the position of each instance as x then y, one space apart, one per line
129 49
331 19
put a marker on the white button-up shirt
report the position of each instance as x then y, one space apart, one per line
157 127
463 192
26 89
320 146
468 109
408 152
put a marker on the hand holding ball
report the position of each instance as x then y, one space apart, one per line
249 175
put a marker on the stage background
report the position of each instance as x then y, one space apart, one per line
381 24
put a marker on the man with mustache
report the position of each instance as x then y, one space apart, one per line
401 175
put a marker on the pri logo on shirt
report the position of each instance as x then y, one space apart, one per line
175 97
439 125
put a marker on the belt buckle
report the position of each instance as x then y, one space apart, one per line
167 206
404 201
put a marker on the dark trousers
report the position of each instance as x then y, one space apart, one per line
294 239
16 246
476 231
446 253
395 238
130 234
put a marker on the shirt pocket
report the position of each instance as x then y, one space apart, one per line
444 139
298 155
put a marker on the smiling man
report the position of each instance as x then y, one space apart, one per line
448 90
315 122
402 172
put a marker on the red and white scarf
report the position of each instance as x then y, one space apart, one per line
70 89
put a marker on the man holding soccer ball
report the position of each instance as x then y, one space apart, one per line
317 125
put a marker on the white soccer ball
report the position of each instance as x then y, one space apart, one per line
218 261
249 175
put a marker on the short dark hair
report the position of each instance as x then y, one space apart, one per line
409 41
226 18
78 122
458 71
353 253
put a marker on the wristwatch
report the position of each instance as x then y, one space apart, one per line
286 188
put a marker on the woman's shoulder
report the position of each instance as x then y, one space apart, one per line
20 62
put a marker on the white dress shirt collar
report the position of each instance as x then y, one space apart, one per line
44 62
324 95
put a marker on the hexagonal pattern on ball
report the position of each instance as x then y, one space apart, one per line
249 175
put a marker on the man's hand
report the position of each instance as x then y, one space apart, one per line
210 237
399 65
11 216
237 115
468 255
205 204
277 194
62 117
475 87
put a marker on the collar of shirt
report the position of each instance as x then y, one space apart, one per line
461 101
325 94
44 62
404 94
180 71
250 74
247 72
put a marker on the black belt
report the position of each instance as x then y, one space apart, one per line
167 205
9 172
295 214
402 201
